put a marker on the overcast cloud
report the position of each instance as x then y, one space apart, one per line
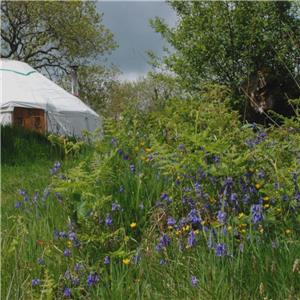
129 22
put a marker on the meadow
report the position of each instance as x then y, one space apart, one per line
184 202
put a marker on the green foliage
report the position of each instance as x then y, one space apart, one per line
225 42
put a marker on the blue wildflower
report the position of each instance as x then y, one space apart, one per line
171 221
191 239
115 206
220 249
22 192
221 217
67 274
194 217
18 204
194 281
165 240
106 260
108 220
67 252
78 267
67 292
132 168
121 189
256 211
41 261
92 279
35 282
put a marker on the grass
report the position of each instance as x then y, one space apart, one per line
149 175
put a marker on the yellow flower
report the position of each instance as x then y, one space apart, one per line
178 232
258 186
266 205
278 209
261 230
243 231
126 261
69 243
288 231
133 225
126 238
229 228
241 215
203 223
143 158
266 198
148 150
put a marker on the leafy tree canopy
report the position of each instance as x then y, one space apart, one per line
52 35
225 42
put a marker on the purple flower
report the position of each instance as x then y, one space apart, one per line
132 168
125 156
192 239
18 204
26 198
220 249
221 217
108 220
171 221
194 217
67 252
115 206
72 236
121 189
92 279
181 147
136 259
297 196
41 261
114 142
22 192
233 197
261 174
67 293
165 240
35 282
106 260
78 267
194 281
256 211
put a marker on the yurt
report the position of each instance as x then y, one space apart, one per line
30 100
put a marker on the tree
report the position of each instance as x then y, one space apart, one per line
224 42
53 35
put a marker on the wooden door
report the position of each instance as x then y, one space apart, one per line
30 118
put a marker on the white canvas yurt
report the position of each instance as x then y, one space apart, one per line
31 100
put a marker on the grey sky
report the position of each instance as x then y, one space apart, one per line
129 21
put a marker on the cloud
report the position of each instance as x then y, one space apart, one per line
129 22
